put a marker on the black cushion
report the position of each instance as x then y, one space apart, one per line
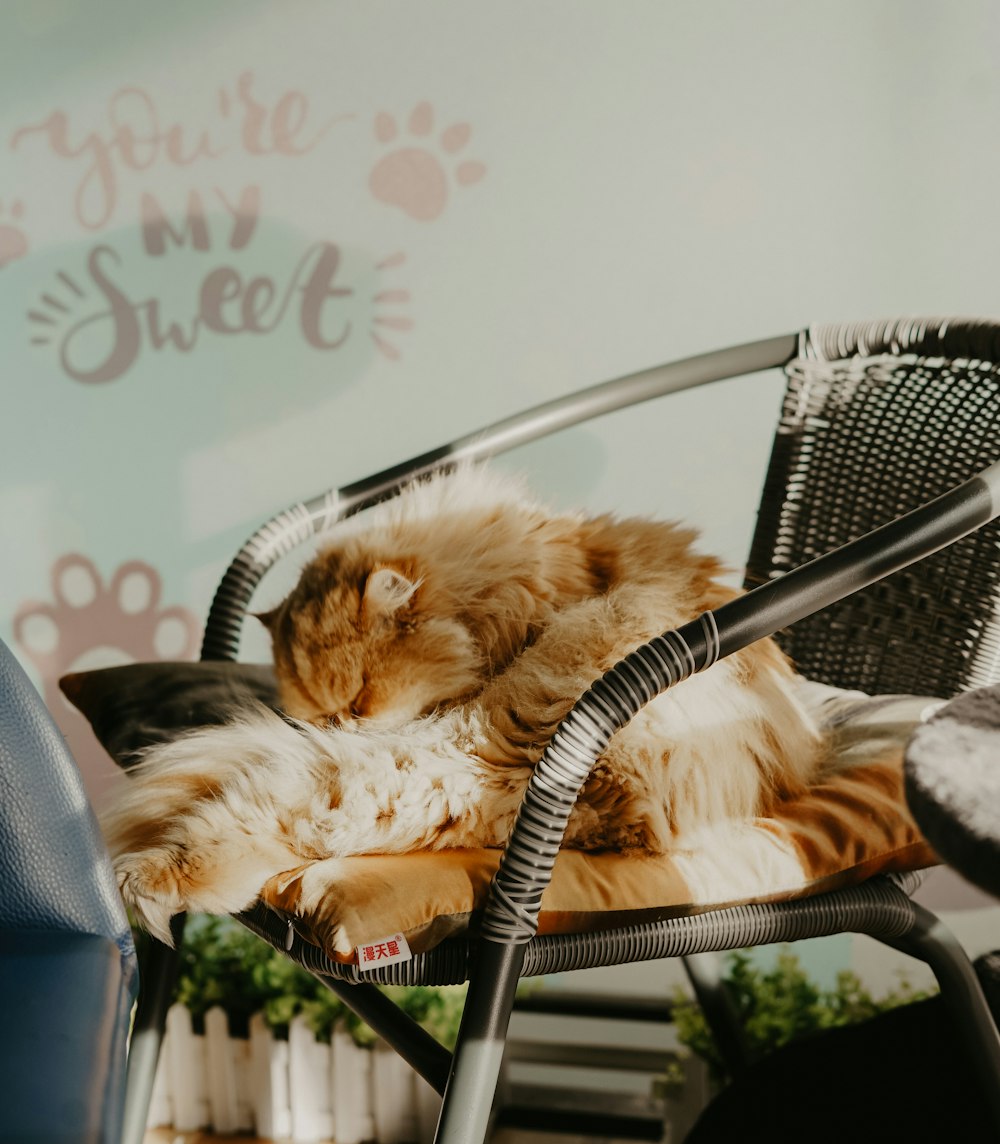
139 704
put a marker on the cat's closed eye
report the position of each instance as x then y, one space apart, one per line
358 707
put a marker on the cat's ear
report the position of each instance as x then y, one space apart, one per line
268 619
387 592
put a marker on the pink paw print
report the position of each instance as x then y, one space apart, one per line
90 625
416 178
13 243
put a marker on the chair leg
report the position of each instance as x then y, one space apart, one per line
932 942
467 1108
416 1046
157 975
705 974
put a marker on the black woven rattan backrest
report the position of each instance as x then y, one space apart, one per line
876 420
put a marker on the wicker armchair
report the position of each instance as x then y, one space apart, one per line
874 561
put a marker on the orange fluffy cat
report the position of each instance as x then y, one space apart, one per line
428 653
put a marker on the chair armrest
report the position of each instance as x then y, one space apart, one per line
295 525
526 866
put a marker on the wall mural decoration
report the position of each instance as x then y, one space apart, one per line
135 137
97 330
415 174
97 324
90 623
168 297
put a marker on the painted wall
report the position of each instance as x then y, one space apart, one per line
251 250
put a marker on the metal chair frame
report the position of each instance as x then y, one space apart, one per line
505 946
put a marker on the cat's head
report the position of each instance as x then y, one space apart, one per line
369 642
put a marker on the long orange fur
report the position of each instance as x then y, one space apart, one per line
430 651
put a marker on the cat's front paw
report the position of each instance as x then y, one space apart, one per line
219 877
155 885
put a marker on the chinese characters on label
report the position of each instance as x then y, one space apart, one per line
385 951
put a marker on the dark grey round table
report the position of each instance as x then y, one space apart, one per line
952 778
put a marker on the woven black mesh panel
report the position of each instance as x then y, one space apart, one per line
860 442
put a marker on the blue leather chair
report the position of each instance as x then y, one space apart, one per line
68 975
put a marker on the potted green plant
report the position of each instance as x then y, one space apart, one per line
778 1003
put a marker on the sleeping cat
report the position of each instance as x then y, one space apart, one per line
428 654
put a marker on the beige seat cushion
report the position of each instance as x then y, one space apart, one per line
850 826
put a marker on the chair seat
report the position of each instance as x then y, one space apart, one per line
848 827
852 824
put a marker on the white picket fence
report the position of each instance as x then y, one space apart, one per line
299 1090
